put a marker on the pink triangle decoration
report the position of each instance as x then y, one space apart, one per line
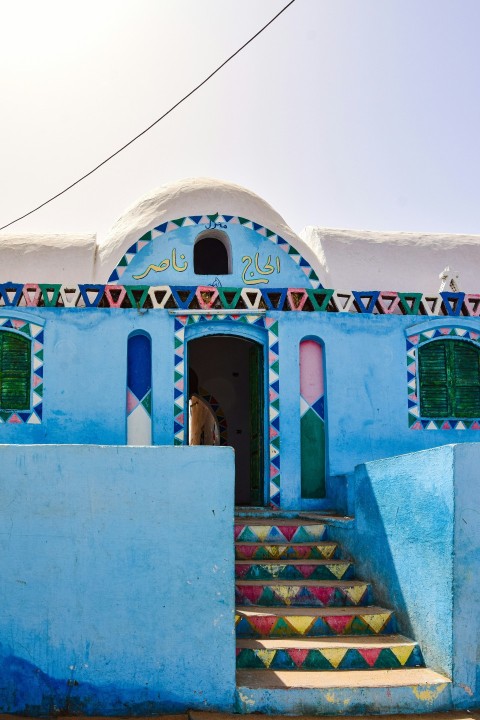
324 594
298 656
370 655
306 570
241 571
246 551
288 531
263 624
132 401
338 623
251 592
391 298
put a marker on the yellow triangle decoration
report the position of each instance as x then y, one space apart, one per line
355 592
266 656
326 550
338 570
402 653
334 655
261 531
300 623
376 622
275 551
286 592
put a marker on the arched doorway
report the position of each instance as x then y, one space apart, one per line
231 369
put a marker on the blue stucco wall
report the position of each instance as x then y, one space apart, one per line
85 370
417 537
116 589
466 569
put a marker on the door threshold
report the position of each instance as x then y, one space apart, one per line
267 512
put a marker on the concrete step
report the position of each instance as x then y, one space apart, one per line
447 715
337 653
257 621
293 569
288 530
347 692
281 550
346 679
316 593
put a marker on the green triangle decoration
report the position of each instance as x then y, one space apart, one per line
147 403
281 628
56 292
233 302
137 303
416 297
320 298
359 627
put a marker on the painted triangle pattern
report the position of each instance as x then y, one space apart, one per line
270 328
291 570
298 594
383 658
262 551
133 402
34 331
288 619
313 299
415 340
319 299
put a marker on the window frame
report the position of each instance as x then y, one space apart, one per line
416 338
31 329
225 240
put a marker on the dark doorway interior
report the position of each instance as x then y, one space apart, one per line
230 369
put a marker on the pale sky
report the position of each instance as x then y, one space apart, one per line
344 113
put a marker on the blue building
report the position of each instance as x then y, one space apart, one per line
129 368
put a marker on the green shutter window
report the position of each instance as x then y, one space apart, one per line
449 373
15 371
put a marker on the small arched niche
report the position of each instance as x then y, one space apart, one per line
212 253
139 389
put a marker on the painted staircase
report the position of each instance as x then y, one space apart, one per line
306 625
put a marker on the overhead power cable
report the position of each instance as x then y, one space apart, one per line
155 122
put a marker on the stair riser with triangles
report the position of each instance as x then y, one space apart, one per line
259 551
278 595
278 626
280 532
334 659
291 570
